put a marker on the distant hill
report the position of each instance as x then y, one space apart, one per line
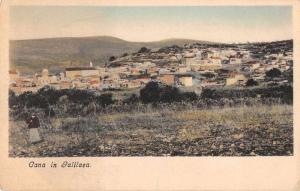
29 56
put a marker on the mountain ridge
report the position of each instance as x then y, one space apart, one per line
32 55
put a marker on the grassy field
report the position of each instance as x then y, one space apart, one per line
230 131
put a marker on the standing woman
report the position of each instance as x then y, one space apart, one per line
33 125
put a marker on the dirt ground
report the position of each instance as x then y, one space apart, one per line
236 131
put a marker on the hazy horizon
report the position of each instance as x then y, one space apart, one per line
145 41
224 24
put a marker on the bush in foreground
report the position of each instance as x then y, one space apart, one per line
155 92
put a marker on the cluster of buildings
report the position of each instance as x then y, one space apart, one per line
189 66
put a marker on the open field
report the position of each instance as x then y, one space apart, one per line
230 131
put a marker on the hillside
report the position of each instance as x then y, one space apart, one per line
29 56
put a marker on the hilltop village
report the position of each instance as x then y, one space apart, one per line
190 67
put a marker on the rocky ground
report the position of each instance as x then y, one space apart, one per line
239 131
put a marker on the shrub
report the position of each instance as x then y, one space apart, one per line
125 54
169 94
288 75
112 58
284 92
155 92
50 94
132 99
251 82
80 96
189 96
12 99
273 73
209 93
104 99
150 93
144 50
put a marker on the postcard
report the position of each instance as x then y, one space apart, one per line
127 95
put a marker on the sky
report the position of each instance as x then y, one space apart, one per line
147 23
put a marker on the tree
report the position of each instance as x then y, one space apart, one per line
132 99
210 93
189 96
125 54
144 50
251 82
49 93
170 94
104 99
273 73
155 92
112 58
150 93
12 99
80 96
288 75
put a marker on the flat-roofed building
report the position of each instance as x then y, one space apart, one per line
74 72
235 79
168 79
13 75
185 80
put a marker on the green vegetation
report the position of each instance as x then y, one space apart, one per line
273 73
72 102
112 58
229 131
161 121
251 82
144 50
289 75
282 92
155 92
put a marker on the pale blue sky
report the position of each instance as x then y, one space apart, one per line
213 23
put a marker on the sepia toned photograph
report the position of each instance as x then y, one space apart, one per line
172 81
